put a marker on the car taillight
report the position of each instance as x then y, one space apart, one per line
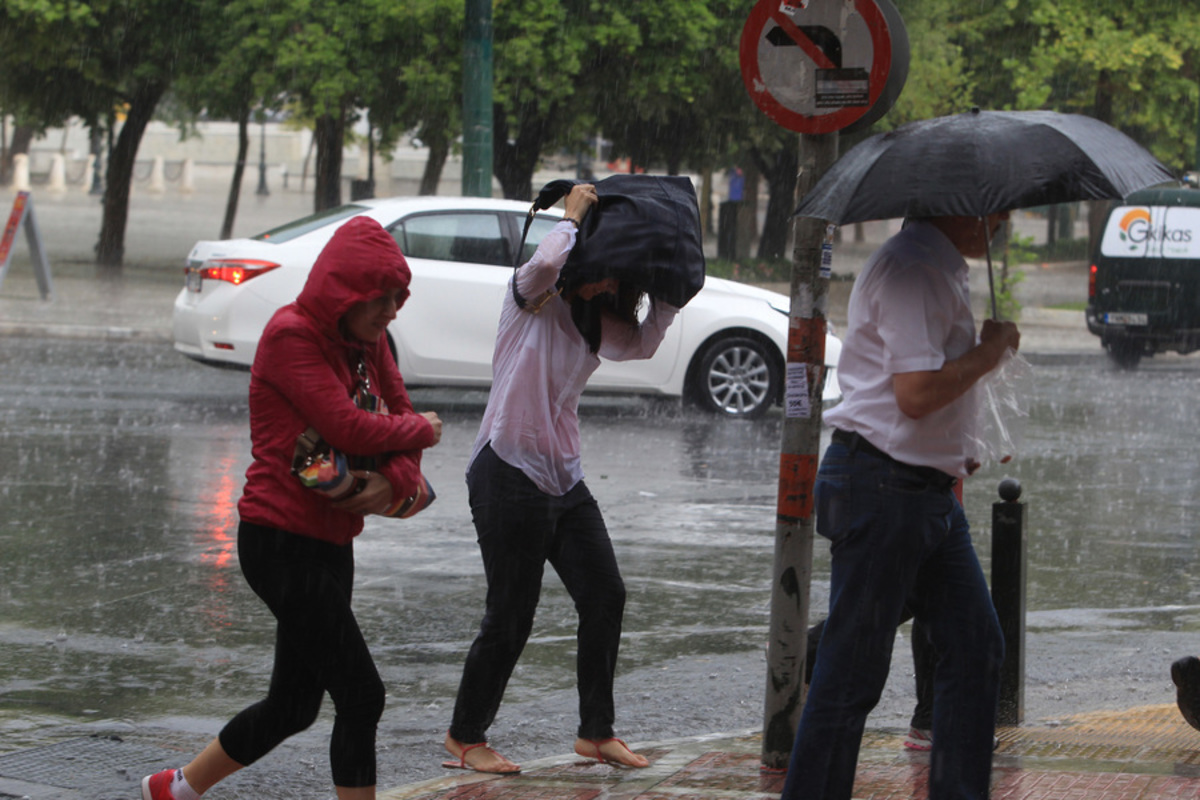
1092 283
235 270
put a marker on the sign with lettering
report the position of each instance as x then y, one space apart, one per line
823 65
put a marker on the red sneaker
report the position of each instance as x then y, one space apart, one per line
158 785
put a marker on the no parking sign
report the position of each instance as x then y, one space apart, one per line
818 66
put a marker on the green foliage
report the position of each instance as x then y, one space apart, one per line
1019 250
940 80
660 80
1135 65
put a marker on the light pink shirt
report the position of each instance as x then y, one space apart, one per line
909 311
541 365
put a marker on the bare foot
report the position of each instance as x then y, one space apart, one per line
610 751
478 757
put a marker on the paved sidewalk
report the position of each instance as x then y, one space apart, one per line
1146 753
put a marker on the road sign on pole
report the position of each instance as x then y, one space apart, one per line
816 67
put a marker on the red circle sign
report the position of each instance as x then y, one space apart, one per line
818 68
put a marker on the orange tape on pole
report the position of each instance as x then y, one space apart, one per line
806 340
797 473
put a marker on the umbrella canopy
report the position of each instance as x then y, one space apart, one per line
979 163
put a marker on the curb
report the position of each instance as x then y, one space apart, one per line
89 332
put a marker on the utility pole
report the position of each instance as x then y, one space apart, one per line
477 100
799 454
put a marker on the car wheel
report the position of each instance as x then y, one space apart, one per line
1124 353
737 376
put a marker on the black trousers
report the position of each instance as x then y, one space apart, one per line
318 648
520 529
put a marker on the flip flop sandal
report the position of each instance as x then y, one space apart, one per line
461 763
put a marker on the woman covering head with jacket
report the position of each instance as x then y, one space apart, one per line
528 499
296 545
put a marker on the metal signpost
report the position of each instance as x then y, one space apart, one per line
816 67
22 214
477 100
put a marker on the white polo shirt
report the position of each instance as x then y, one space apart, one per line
910 311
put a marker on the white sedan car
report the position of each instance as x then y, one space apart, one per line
724 351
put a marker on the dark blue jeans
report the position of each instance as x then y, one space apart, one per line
897 540
520 528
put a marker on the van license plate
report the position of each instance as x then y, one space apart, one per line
1126 318
192 281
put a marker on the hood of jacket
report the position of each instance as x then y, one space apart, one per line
361 262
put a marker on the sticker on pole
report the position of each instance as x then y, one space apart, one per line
822 65
796 400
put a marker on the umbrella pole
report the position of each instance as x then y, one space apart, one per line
991 281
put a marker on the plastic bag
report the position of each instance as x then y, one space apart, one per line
1003 409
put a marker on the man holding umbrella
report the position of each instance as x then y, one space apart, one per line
910 361
885 499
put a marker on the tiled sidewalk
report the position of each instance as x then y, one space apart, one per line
1146 753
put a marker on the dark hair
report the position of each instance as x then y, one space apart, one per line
587 314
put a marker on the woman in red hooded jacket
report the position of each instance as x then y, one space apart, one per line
295 545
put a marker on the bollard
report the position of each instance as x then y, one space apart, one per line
158 175
1008 596
21 179
188 177
58 173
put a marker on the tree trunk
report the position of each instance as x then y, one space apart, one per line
239 171
781 202
330 135
110 250
514 162
439 151
706 206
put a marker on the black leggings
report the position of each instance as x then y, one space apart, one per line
520 529
318 648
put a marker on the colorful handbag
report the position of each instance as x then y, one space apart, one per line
321 468
410 506
318 466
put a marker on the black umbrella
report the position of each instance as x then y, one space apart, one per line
979 163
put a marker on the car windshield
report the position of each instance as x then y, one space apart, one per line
299 227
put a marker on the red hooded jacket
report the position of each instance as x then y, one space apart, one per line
303 375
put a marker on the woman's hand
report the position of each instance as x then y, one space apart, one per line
581 198
375 497
436 422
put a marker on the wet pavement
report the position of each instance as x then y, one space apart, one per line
1140 754
1142 750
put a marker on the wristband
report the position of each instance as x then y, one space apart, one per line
573 221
